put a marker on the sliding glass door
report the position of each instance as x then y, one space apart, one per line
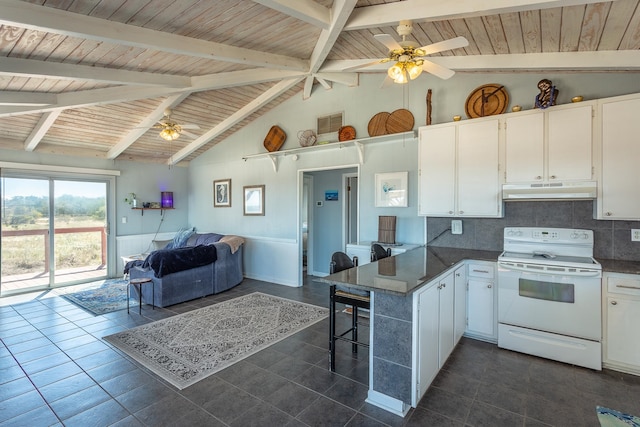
54 232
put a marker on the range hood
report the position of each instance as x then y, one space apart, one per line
570 190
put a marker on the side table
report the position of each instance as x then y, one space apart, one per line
139 282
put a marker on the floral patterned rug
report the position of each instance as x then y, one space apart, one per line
189 347
103 296
612 418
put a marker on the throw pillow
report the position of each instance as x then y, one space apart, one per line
180 238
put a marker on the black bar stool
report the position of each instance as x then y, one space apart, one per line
353 297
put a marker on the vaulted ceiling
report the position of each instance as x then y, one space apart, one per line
91 78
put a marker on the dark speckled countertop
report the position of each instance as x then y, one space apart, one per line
404 273
618 266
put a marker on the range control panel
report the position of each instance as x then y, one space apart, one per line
548 235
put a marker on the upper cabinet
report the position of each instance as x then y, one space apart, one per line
459 169
552 145
620 151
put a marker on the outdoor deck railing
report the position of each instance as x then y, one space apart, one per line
47 246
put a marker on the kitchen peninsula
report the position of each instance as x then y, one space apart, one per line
399 337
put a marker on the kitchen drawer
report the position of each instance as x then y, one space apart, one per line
623 285
481 270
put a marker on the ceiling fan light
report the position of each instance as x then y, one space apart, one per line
414 70
401 78
169 134
396 70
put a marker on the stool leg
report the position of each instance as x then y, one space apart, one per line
128 295
140 299
153 295
354 325
332 329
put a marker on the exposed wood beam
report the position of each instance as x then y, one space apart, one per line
340 12
41 129
325 83
347 79
390 14
26 98
305 10
147 123
48 19
266 97
123 94
308 86
34 68
575 61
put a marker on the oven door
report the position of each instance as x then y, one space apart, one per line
557 303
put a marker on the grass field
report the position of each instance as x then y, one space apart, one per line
26 254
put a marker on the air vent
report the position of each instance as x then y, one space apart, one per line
329 124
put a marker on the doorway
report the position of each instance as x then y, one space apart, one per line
54 232
327 216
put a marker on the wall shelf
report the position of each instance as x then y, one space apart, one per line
151 209
358 143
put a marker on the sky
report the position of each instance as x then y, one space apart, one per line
12 187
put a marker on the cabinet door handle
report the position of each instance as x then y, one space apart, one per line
489 286
614 302
552 177
450 212
608 214
461 212
538 177
443 285
457 274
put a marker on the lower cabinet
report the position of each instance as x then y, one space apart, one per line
621 309
437 325
481 301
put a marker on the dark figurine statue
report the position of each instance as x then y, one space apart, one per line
548 94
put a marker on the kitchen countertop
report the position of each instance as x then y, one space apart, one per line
404 273
619 266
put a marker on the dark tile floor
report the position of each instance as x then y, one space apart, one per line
56 370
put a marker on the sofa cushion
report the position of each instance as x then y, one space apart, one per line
180 239
203 239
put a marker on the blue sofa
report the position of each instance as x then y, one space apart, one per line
212 278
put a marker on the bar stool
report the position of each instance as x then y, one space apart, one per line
139 282
353 297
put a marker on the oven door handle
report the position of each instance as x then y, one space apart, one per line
550 270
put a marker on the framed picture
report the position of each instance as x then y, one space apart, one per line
253 203
331 195
391 190
222 193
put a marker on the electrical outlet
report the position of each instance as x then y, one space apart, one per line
456 226
635 235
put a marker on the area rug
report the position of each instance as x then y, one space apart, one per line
612 418
100 297
189 347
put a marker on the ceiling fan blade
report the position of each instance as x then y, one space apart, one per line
388 41
369 63
437 70
388 81
189 134
190 126
445 45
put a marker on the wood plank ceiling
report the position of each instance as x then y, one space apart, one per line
91 77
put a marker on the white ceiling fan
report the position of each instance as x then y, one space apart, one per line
171 130
410 59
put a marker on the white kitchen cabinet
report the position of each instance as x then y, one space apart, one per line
622 317
435 329
620 151
459 169
551 145
460 305
481 301
428 324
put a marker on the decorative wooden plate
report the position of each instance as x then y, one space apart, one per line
400 121
378 124
274 139
487 100
346 133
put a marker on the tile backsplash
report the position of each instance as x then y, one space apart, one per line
612 238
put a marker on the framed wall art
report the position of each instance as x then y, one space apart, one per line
222 193
391 190
253 203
